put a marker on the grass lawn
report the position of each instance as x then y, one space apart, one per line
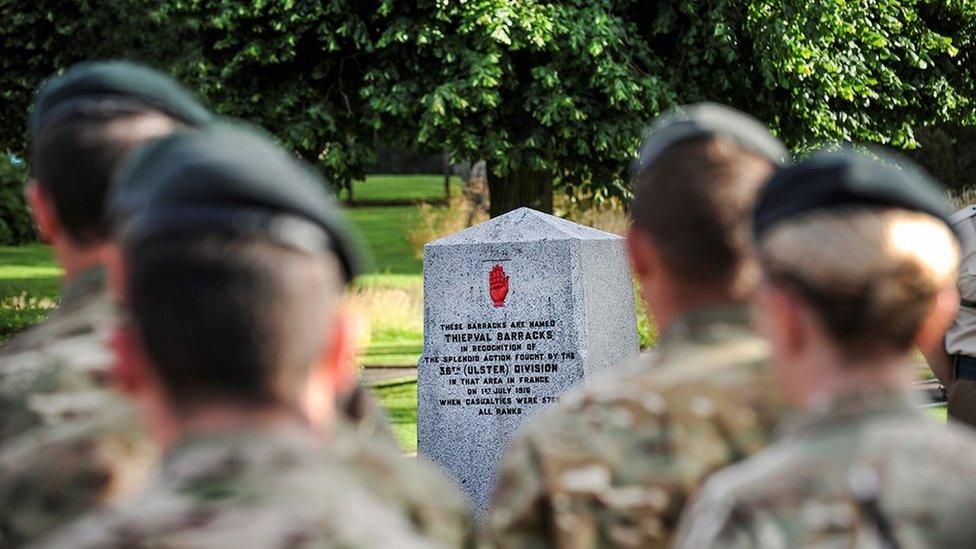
402 187
400 401
937 412
30 284
384 229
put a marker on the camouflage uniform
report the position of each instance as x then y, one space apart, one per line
866 470
251 487
363 437
432 502
68 443
59 370
614 462
365 419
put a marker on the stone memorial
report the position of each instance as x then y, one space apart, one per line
516 311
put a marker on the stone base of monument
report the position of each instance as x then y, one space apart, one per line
516 311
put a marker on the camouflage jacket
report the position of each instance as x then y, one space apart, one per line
51 474
364 418
58 370
251 487
67 442
435 507
866 470
613 464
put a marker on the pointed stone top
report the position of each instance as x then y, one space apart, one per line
523 225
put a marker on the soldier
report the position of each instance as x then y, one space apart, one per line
613 463
66 441
233 265
859 265
953 361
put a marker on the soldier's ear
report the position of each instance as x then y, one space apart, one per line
43 212
641 250
780 319
129 367
335 370
935 323
117 272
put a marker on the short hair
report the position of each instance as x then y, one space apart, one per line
695 201
232 321
870 275
73 160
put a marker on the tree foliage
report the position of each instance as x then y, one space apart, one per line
554 91
16 226
561 89
296 68
825 70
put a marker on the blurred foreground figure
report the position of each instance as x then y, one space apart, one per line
613 463
68 443
954 360
859 265
233 265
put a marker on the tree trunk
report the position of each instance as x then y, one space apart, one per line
521 187
447 177
350 199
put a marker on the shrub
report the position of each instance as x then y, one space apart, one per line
438 221
16 226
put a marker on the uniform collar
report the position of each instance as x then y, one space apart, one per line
90 281
854 406
207 453
706 324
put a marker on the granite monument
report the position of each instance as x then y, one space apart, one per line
516 310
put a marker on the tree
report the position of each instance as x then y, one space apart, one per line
547 93
41 37
825 70
295 68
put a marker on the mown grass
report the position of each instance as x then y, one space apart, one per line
384 230
402 187
30 285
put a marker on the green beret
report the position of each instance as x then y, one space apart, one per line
109 86
232 181
709 119
846 178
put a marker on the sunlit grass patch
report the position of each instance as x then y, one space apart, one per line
30 286
391 310
402 187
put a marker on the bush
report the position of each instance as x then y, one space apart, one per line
16 226
438 221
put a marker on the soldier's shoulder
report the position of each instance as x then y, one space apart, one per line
51 474
413 484
692 384
248 491
76 338
89 314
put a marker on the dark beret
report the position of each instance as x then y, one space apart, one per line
233 181
845 178
709 119
102 86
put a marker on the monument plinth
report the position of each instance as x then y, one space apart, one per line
516 310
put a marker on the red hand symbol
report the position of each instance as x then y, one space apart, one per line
498 285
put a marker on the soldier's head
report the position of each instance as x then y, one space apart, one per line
700 170
85 121
858 266
235 260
